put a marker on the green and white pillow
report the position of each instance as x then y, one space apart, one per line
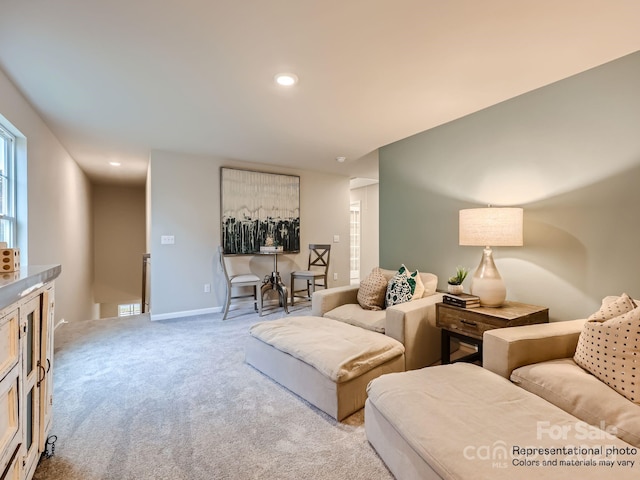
402 287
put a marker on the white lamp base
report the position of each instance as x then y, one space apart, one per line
487 282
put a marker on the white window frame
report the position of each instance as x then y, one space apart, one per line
355 230
129 309
8 218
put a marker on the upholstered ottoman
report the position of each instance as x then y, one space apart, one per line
326 362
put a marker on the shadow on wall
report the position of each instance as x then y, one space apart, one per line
554 249
589 236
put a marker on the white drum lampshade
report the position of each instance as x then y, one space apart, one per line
487 227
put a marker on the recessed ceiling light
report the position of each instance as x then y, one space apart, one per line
114 164
286 79
340 159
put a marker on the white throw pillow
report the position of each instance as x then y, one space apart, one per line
418 289
610 350
613 307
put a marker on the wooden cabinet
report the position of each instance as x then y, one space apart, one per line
10 391
30 319
26 380
46 361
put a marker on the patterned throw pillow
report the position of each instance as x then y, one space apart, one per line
610 350
372 290
400 288
613 307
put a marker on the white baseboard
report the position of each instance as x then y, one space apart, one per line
187 313
60 323
205 311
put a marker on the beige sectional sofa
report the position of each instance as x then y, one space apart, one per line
411 323
539 358
464 421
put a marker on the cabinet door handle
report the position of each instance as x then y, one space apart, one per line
44 374
468 322
48 365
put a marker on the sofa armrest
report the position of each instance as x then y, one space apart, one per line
414 325
325 300
506 349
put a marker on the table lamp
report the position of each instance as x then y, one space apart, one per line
486 227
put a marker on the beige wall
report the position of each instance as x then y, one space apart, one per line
119 242
185 203
58 223
568 153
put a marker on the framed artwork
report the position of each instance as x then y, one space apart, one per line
259 209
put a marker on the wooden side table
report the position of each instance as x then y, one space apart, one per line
468 324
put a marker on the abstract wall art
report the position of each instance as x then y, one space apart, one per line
258 209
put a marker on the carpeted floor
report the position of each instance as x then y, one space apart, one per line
142 400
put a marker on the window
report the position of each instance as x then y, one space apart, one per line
7 187
355 242
127 309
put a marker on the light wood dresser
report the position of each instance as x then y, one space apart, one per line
26 368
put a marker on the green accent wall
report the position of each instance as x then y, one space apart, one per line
568 153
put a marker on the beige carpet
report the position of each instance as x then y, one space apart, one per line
138 400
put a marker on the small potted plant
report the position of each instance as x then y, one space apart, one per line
270 245
455 282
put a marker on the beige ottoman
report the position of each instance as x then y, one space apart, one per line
326 362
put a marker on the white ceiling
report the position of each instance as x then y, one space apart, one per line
114 79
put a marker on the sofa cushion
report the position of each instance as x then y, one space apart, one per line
372 290
465 423
576 391
353 314
611 351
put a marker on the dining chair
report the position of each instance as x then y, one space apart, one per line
237 281
317 270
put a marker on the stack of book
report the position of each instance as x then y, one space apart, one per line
463 300
264 248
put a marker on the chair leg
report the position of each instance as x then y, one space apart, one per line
255 298
293 289
259 293
264 288
227 303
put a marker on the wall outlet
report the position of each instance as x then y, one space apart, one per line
207 288
335 276
167 240
336 238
